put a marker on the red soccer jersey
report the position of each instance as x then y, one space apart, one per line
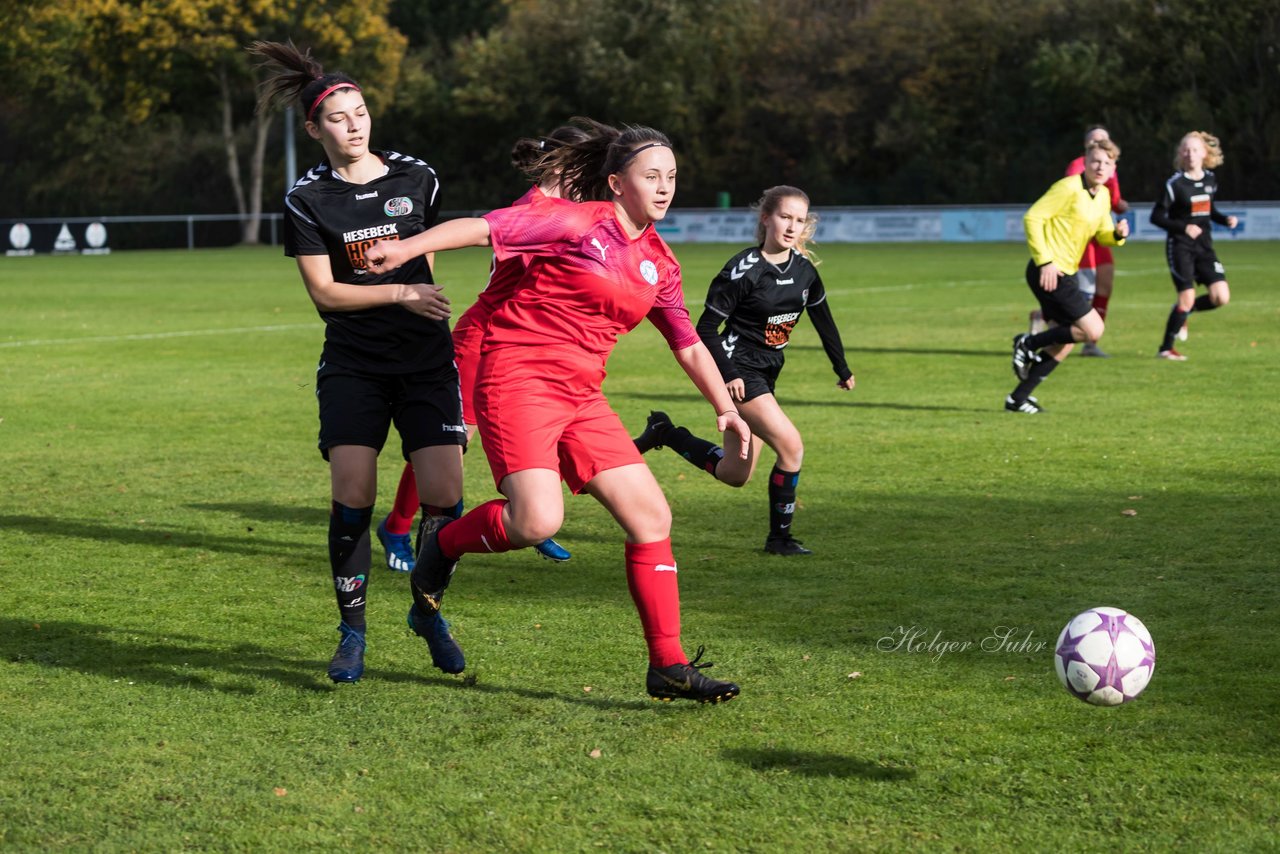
587 283
504 276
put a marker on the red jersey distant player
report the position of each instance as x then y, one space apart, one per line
595 271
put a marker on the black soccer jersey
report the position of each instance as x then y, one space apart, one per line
759 304
326 215
1186 201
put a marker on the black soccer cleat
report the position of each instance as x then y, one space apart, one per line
1023 358
686 682
432 569
434 629
655 430
347 664
1026 407
786 547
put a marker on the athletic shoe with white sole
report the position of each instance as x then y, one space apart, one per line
552 551
1172 355
1023 358
399 549
1027 407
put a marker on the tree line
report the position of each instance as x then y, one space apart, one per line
147 106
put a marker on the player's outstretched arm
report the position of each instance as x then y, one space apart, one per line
386 255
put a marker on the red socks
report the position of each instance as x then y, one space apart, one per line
480 530
1100 305
400 519
651 578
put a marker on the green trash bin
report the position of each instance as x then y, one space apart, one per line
722 199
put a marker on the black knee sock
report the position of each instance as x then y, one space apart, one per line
453 512
1176 320
349 560
1052 335
1204 302
697 452
1035 376
782 501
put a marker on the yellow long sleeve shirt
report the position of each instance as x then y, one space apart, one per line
1063 221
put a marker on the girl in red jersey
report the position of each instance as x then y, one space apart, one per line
595 270
529 156
387 353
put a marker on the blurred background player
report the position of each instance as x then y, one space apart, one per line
388 355
1097 273
1185 209
758 298
527 156
1073 211
595 270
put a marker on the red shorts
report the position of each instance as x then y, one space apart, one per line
466 355
542 407
1095 255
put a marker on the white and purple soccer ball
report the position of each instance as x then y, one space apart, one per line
1105 656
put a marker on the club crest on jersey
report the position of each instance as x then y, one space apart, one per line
400 206
649 270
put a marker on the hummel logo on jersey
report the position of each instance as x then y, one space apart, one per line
785 282
729 344
595 241
664 567
372 195
743 266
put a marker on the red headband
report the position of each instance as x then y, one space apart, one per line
326 93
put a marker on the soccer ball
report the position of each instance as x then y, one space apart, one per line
1105 656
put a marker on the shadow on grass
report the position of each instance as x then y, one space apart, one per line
149 534
264 512
187 661
816 764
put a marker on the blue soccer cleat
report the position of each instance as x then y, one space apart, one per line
347 664
399 549
434 629
552 550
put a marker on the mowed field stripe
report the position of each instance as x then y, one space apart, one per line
155 336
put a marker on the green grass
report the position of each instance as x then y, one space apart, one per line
168 617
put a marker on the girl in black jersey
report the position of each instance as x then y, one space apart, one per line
758 298
1185 209
388 355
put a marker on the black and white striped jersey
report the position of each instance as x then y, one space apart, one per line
1187 201
759 304
326 215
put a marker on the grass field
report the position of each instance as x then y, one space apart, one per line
168 614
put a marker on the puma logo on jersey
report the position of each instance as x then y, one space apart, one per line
743 266
729 344
595 241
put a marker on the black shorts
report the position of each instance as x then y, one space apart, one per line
1065 304
759 371
1191 262
358 408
